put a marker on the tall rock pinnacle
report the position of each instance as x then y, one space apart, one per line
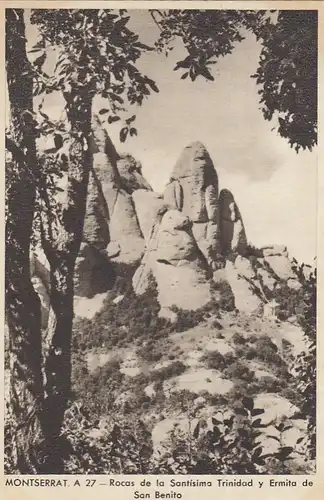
193 189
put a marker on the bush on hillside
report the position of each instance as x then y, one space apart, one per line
238 338
172 370
214 360
239 371
224 295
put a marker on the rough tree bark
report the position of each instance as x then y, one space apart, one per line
61 253
22 302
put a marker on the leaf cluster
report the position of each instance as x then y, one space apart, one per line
96 54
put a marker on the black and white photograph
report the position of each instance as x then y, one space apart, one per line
160 242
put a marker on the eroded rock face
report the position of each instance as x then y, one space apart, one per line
173 195
271 250
181 239
246 299
193 189
233 237
95 228
93 272
125 230
197 176
179 268
147 206
131 176
114 191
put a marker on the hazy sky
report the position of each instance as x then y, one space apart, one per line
274 186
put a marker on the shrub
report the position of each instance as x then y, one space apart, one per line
238 338
213 360
238 370
216 324
172 370
98 389
267 351
251 353
225 297
269 384
189 319
150 352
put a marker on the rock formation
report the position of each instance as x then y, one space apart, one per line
233 237
96 229
130 172
184 239
178 266
193 189
248 297
147 205
115 192
93 272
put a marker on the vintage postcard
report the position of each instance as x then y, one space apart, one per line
162 266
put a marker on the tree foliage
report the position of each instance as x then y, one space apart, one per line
305 366
96 51
287 73
287 68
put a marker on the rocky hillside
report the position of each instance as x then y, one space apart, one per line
177 316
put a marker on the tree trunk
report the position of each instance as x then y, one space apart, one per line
22 302
62 255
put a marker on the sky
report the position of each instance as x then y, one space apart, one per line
274 187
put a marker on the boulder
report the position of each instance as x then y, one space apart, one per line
175 241
232 232
142 278
275 408
178 266
197 380
246 298
266 278
84 307
280 266
113 250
